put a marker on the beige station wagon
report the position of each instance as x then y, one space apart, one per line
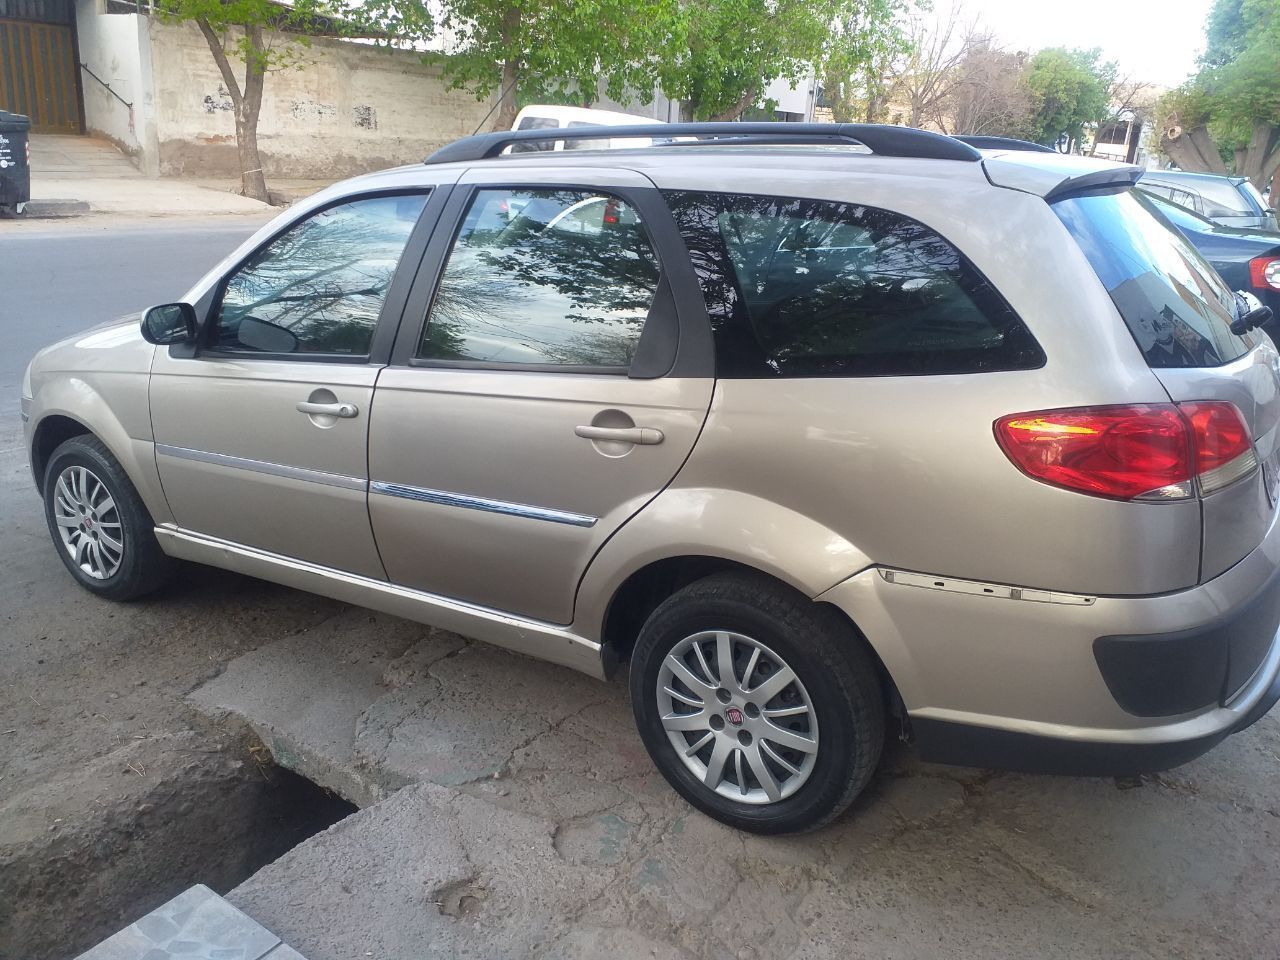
822 431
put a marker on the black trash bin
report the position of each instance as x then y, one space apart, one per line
15 163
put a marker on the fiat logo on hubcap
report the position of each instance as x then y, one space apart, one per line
734 716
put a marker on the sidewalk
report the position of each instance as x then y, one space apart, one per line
73 176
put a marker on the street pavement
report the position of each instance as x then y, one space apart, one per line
508 809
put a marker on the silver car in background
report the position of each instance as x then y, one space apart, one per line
820 431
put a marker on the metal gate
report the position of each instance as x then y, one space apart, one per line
38 75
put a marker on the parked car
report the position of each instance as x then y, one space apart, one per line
815 441
1229 201
1246 260
555 117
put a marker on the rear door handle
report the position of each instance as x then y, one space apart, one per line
344 410
645 435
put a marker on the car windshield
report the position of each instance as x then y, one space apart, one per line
1175 305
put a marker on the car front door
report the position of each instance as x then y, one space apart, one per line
261 429
552 373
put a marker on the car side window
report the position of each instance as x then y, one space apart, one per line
811 288
558 277
318 287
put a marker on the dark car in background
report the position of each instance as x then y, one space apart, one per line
1247 260
1229 201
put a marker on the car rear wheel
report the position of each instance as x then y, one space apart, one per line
760 707
99 525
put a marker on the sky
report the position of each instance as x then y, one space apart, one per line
1151 40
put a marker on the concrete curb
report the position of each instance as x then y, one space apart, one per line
49 209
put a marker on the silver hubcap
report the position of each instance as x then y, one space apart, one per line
738 717
88 522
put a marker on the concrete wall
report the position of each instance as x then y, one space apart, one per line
116 49
348 109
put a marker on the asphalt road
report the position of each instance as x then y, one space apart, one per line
58 278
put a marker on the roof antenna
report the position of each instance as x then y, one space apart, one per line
502 93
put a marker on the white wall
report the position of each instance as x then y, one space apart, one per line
350 108
114 47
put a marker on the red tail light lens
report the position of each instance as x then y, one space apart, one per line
1264 273
1223 446
1139 452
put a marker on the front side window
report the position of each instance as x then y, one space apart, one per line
1173 302
318 287
559 277
811 288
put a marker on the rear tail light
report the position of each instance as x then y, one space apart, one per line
1264 273
1158 451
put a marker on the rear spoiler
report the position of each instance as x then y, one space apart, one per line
1054 177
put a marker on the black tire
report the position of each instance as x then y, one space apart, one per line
143 567
824 652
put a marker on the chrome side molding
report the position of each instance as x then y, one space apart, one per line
979 589
545 641
448 499
262 466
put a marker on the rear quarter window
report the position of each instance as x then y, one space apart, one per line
1173 302
812 288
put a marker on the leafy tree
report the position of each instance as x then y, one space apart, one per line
557 50
1227 117
251 31
718 55
1070 88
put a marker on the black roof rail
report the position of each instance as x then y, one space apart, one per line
1004 143
883 139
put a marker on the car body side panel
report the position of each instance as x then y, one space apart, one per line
99 378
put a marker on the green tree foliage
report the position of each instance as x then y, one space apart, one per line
718 55
250 31
1226 119
552 50
1070 88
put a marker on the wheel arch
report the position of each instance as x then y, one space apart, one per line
57 424
646 588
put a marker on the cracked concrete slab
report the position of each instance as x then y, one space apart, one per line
531 823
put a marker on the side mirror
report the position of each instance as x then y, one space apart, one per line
169 323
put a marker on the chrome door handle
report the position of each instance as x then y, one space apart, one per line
344 410
645 435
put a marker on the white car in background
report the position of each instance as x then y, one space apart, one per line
551 117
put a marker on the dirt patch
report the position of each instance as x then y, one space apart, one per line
172 811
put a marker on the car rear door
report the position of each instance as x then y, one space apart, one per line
552 374
1180 313
261 430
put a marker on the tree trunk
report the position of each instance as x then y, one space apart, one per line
1194 151
247 103
734 112
1274 197
687 110
508 94
1257 154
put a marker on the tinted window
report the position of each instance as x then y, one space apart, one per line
807 288
319 287
1179 215
1175 305
560 277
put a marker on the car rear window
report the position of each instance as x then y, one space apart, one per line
811 288
1175 305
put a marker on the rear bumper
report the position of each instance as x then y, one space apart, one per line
942 741
1030 680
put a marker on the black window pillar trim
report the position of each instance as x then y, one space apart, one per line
676 340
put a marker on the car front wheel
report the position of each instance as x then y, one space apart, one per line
98 523
760 707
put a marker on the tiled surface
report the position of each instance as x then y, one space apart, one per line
195 925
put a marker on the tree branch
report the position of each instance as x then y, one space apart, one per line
744 101
220 58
